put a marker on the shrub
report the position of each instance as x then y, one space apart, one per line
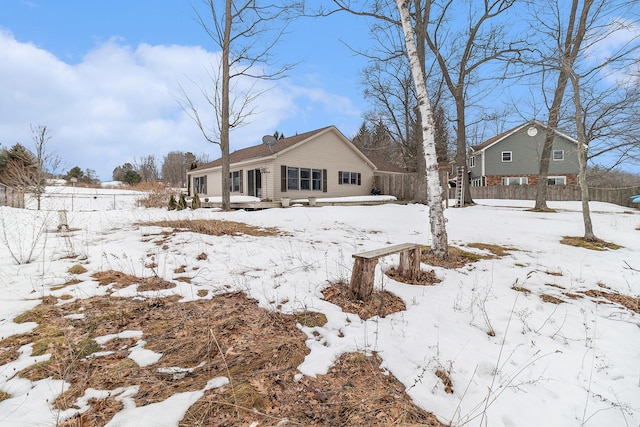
182 202
195 202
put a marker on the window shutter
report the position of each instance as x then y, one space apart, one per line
359 178
340 178
283 178
324 180
241 173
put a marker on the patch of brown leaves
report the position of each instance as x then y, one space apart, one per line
425 277
382 303
230 336
459 257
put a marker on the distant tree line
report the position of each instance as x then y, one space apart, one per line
172 172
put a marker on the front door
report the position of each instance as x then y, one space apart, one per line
255 182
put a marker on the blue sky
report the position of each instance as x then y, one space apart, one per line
104 77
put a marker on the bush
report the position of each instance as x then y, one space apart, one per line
172 203
195 202
182 202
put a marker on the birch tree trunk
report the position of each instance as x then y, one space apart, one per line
440 245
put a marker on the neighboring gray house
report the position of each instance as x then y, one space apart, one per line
320 163
513 158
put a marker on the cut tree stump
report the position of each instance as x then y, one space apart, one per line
364 267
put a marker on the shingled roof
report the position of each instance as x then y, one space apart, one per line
489 142
262 150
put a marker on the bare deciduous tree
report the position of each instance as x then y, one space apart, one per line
461 53
175 166
147 168
565 40
244 32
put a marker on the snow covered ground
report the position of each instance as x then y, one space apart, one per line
568 364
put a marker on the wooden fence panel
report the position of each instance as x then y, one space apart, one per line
403 186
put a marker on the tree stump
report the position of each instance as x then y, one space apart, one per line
409 266
362 278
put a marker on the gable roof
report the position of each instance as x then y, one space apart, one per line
383 165
261 151
532 123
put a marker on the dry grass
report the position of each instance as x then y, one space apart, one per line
4 396
496 250
446 380
77 269
629 302
592 244
121 280
521 289
157 194
214 227
551 299
382 303
228 336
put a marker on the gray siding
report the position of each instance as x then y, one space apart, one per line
525 158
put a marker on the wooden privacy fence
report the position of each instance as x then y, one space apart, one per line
618 196
403 186
11 197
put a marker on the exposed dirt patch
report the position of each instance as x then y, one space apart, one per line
215 227
629 302
382 303
594 244
227 336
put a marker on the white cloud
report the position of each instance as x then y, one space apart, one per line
119 103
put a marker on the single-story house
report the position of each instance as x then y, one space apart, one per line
513 158
320 163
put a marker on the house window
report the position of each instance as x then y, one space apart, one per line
472 162
476 182
349 178
558 155
557 180
515 180
316 180
293 178
507 156
303 179
235 181
200 184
